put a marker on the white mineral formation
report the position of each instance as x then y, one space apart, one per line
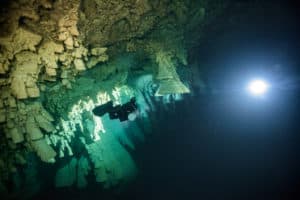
169 81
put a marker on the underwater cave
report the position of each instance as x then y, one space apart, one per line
149 99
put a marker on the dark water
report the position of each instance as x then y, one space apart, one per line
213 152
225 145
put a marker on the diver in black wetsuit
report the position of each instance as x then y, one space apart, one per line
120 112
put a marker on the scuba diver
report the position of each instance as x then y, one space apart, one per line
123 112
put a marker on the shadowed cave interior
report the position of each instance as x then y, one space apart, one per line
196 132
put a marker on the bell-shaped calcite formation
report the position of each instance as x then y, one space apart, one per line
32 129
44 150
166 69
169 81
171 86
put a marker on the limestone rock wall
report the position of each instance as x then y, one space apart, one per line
39 45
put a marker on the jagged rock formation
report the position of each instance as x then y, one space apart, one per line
29 58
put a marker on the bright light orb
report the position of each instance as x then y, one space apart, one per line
258 87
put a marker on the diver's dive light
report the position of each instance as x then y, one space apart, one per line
258 87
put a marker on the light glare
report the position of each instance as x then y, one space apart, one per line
258 87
